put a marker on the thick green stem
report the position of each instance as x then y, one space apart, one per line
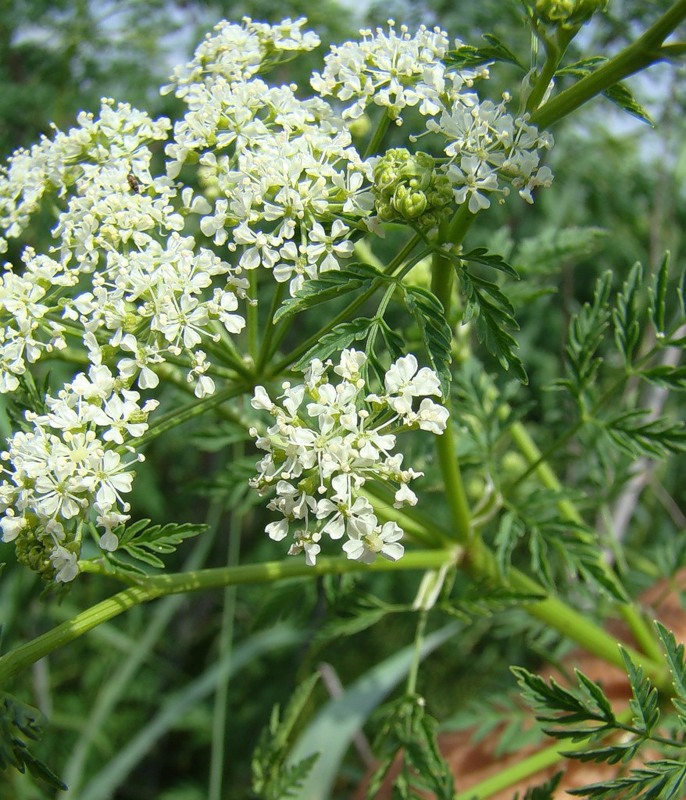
641 630
441 284
641 54
561 617
177 583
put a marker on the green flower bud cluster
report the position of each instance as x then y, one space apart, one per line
567 13
409 188
34 551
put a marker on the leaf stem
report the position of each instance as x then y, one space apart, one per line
20 658
644 52
348 310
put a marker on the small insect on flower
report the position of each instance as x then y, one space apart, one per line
133 183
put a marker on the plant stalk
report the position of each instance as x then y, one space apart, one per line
644 52
153 587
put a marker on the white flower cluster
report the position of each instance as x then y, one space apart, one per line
488 149
118 135
69 468
283 170
239 52
329 439
25 300
393 71
152 293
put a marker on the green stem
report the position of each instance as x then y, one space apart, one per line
481 562
417 657
225 647
348 310
157 586
378 135
642 632
646 50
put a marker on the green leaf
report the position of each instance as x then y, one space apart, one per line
394 342
546 791
658 297
511 529
665 375
480 255
328 286
502 716
436 332
659 780
644 704
469 56
145 542
21 724
493 314
408 730
625 315
586 332
578 715
637 434
273 778
618 94
337 339
677 665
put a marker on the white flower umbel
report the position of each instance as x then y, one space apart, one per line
490 151
393 70
328 440
71 468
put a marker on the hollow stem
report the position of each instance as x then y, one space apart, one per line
646 50
157 586
641 630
